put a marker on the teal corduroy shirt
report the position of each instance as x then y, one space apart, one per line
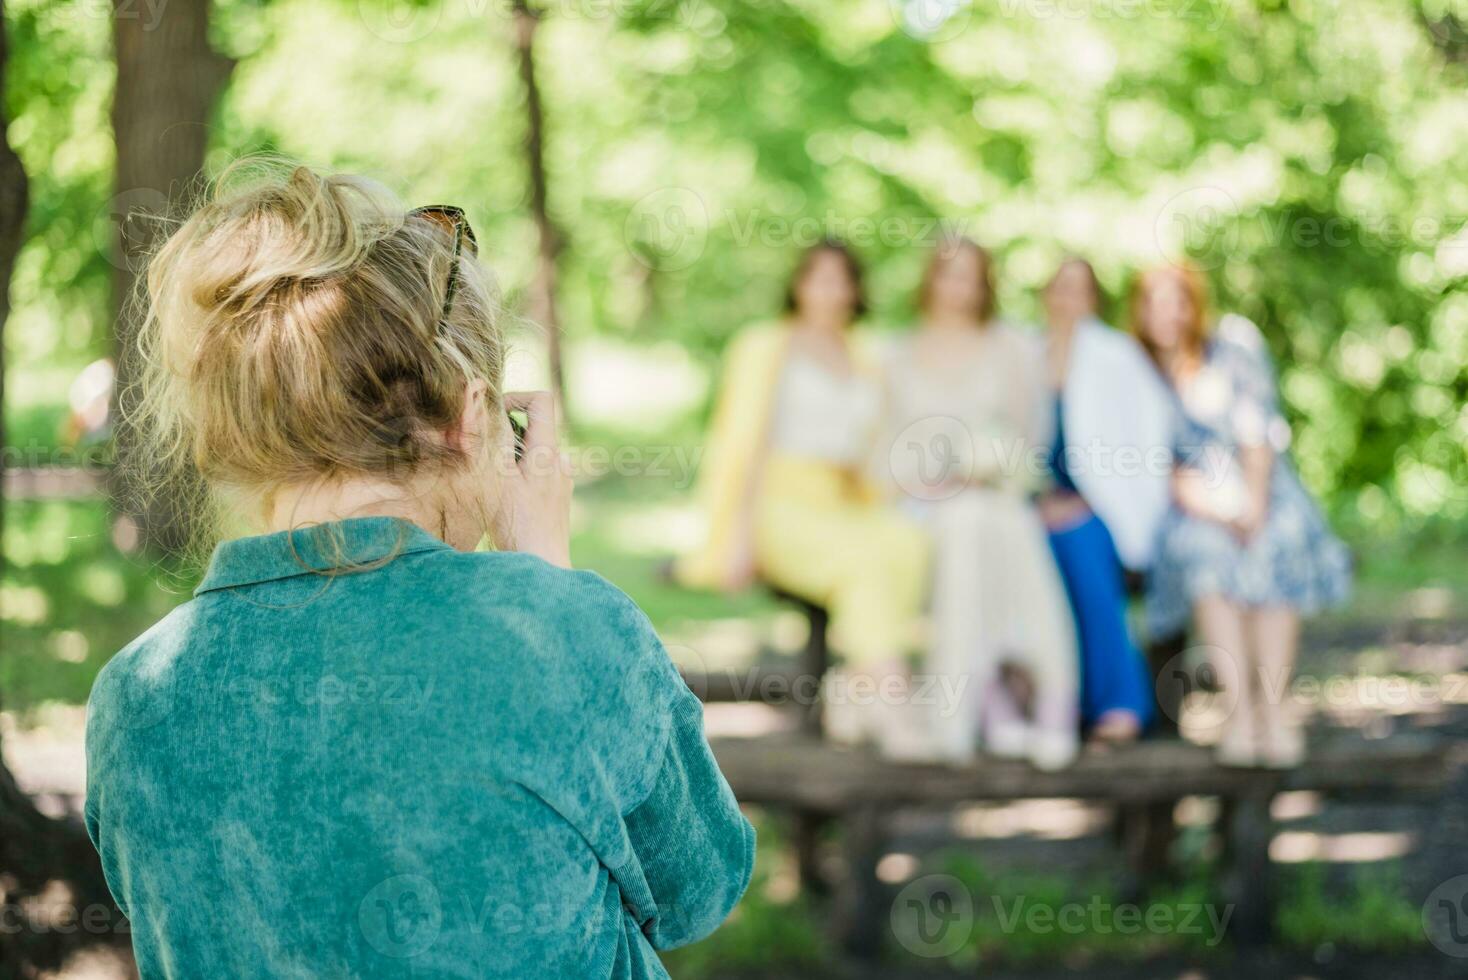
441 765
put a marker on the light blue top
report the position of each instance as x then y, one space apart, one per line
442 765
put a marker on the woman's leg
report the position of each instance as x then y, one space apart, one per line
1274 635
1115 692
869 567
1223 626
876 598
1039 640
961 641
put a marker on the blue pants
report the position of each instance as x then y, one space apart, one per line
1114 675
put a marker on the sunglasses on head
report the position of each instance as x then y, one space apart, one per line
451 219
456 225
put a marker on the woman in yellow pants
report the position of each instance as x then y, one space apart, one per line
786 501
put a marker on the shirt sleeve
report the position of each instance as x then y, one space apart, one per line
695 848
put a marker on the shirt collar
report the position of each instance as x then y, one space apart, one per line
313 549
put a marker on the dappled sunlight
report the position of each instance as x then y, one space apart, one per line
653 529
633 388
714 644
1431 602
1196 811
1042 819
1296 846
616 385
745 720
1298 805
46 752
897 867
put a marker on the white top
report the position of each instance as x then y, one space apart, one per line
975 418
821 415
1120 423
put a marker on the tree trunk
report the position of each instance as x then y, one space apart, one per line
168 78
14 195
37 852
543 287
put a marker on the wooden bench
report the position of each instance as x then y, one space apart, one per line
807 775
817 782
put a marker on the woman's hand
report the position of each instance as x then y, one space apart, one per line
743 568
1246 525
537 489
1258 466
1062 510
1196 498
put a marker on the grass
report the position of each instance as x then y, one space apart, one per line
1021 918
957 915
1369 914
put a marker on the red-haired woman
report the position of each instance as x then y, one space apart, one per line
1245 550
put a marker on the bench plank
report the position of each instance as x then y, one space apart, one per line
800 771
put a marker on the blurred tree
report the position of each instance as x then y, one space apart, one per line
14 197
1306 154
548 237
168 78
37 851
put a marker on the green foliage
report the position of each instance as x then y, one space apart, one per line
71 600
1372 914
1021 917
59 93
1306 154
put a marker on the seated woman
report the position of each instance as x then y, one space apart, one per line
785 499
1245 551
965 397
1107 492
363 748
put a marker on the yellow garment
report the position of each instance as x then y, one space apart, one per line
819 534
737 434
818 530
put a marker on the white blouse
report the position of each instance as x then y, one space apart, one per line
821 415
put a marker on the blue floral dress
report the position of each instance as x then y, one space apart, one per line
1293 560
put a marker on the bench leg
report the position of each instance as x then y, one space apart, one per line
1162 657
805 832
1248 884
1147 833
863 906
814 660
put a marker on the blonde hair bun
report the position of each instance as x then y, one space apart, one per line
294 330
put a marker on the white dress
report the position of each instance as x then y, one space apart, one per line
997 596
